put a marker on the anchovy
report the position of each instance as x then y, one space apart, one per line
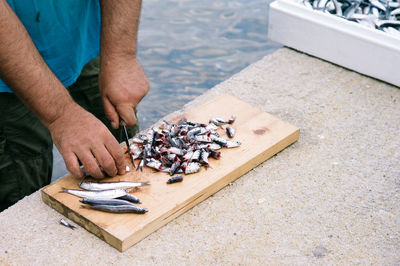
232 144
211 126
192 168
230 132
202 138
174 167
113 202
204 157
130 198
65 223
175 179
154 164
96 194
117 208
111 185
176 151
218 121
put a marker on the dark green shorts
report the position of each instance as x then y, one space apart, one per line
26 158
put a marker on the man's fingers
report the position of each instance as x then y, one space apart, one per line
105 159
126 112
117 153
90 164
111 112
71 161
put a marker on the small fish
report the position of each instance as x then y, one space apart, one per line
211 126
111 185
176 151
220 141
153 163
131 208
218 121
215 154
232 144
174 167
175 179
192 168
130 198
65 223
188 155
202 138
96 194
204 157
113 202
230 132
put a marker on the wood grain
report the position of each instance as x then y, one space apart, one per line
261 134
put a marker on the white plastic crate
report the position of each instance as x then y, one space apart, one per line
368 51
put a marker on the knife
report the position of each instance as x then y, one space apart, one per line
123 124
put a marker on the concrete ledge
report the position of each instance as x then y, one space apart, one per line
331 198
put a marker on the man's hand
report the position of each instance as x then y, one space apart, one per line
79 135
122 85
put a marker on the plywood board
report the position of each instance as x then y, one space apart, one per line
261 134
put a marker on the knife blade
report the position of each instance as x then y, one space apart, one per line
123 124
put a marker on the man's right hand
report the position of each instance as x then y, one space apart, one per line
79 135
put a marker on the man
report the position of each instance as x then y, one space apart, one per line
45 46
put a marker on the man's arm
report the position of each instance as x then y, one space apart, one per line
76 133
122 81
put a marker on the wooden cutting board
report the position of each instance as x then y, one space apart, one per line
261 135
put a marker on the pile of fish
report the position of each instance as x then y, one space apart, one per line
109 196
378 14
181 148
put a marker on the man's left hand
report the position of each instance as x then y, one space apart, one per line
122 84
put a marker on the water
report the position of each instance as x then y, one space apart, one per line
187 47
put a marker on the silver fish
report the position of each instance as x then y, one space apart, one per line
111 185
65 223
113 202
211 126
153 163
192 168
204 157
131 208
175 179
230 131
176 151
218 121
96 194
203 138
130 198
232 144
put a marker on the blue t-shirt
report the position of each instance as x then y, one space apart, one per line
65 32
